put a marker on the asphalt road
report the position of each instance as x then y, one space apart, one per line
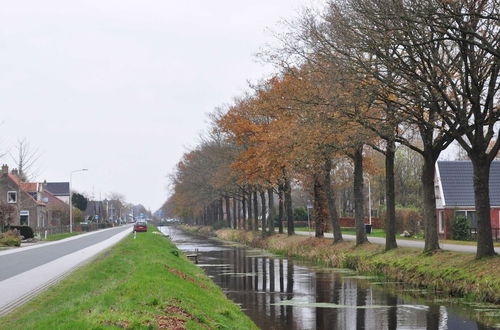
406 243
25 259
25 272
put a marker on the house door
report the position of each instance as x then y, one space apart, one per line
24 218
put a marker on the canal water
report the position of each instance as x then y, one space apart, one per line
280 293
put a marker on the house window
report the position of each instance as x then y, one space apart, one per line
470 215
12 197
24 218
441 222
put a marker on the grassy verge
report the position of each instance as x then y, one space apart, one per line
143 283
381 233
57 237
456 274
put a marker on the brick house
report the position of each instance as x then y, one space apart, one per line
455 195
27 198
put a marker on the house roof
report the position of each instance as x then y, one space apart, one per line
457 184
18 182
53 200
58 188
29 186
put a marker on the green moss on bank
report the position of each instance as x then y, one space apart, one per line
142 283
453 273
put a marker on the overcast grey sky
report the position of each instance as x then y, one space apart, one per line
123 87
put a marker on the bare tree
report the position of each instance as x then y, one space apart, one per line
25 158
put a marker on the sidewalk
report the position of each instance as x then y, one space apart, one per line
406 243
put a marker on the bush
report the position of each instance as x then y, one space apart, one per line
461 229
10 241
407 219
25 231
218 225
300 213
10 238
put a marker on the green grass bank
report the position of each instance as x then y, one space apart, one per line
57 237
455 274
142 283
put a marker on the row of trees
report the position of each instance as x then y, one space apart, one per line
358 76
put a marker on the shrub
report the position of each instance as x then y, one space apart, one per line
461 229
218 225
300 213
10 241
25 231
10 238
407 219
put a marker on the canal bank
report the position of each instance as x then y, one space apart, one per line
451 273
140 283
280 292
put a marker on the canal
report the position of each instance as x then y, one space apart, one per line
281 293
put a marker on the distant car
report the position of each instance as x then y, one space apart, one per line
140 226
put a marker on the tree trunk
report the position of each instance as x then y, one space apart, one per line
320 206
237 202
250 215
221 210
390 222
255 211
244 212
359 200
272 213
331 198
481 167
228 212
234 217
288 206
281 209
263 210
429 196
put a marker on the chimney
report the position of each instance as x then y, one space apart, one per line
15 172
5 169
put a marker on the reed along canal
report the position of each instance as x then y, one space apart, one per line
281 293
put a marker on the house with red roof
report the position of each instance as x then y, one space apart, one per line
26 198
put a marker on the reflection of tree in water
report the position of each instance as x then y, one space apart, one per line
360 312
289 290
282 277
282 288
264 274
271 288
392 313
256 269
322 290
433 317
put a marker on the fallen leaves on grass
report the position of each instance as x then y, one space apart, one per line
185 277
175 319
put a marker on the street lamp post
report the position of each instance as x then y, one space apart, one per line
309 206
369 200
71 198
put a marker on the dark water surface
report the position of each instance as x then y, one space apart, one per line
280 293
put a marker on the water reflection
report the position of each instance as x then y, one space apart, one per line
282 294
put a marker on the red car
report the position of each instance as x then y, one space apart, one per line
140 226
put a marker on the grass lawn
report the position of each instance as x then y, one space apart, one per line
143 283
57 237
